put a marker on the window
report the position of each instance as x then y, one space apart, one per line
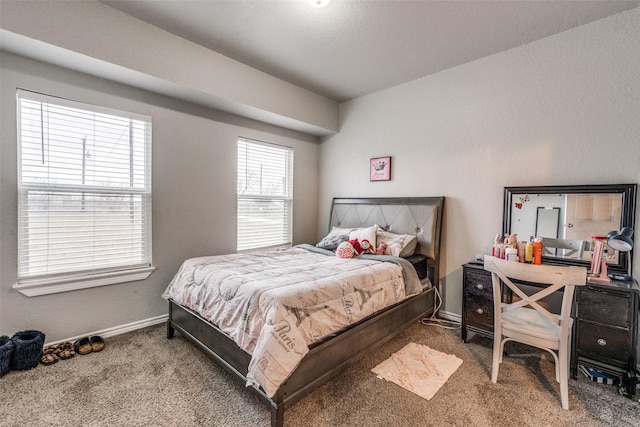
84 195
265 194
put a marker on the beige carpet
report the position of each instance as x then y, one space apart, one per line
419 369
143 379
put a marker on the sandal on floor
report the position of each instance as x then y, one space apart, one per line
65 354
97 343
67 345
59 348
83 346
48 358
50 350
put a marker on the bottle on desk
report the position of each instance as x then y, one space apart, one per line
521 251
537 250
528 252
511 254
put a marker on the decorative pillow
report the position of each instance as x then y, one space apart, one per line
368 233
334 238
401 245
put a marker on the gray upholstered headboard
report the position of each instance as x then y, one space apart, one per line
420 216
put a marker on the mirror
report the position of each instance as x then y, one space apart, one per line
569 219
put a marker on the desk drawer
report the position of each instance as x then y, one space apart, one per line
605 344
477 302
478 285
480 311
609 308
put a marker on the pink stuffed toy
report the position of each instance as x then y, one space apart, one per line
345 250
382 249
511 240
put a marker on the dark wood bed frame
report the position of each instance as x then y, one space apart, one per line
421 216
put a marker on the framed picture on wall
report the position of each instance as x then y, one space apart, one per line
380 169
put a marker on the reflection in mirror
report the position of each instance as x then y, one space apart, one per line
570 219
547 222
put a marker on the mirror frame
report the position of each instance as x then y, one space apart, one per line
628 214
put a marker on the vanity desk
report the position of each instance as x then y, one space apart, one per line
576 223
605 329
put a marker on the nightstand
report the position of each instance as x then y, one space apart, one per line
605 330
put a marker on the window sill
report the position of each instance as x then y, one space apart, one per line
37 287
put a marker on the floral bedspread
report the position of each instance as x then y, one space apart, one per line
274 304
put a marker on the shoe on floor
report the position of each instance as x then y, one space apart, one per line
83 346
48 358
97 343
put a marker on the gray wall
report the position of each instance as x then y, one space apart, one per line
557 111
97 39
194 197
562 110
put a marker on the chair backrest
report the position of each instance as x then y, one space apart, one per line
570 248
554 277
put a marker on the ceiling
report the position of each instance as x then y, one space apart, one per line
355 47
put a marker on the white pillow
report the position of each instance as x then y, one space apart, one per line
334 238
368 233
401 245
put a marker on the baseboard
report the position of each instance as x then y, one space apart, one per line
454 317
117 330
121 329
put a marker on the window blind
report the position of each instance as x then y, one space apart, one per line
265 194
84 188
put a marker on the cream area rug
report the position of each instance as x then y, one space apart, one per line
419 369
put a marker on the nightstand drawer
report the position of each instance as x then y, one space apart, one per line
603 343
609 308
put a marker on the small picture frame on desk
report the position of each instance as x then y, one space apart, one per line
380 169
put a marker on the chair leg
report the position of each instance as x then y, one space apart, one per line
497 358
563 362
502 343
556 362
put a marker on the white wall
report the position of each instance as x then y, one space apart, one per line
194 197
561 110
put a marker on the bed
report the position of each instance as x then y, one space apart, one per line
331 354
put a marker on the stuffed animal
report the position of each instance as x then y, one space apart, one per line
356 246
382 249
511 240
345 250
366 247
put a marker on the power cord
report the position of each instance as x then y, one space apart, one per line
434 321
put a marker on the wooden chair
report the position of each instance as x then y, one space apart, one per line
564 247
526 321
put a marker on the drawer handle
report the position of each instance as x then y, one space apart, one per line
479 311
480 286
602 342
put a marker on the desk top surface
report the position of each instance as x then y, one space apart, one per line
631 285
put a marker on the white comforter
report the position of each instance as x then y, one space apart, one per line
275 304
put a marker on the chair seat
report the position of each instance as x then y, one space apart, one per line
529 322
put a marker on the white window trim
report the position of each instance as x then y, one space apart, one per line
286 198
46 286
37 286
